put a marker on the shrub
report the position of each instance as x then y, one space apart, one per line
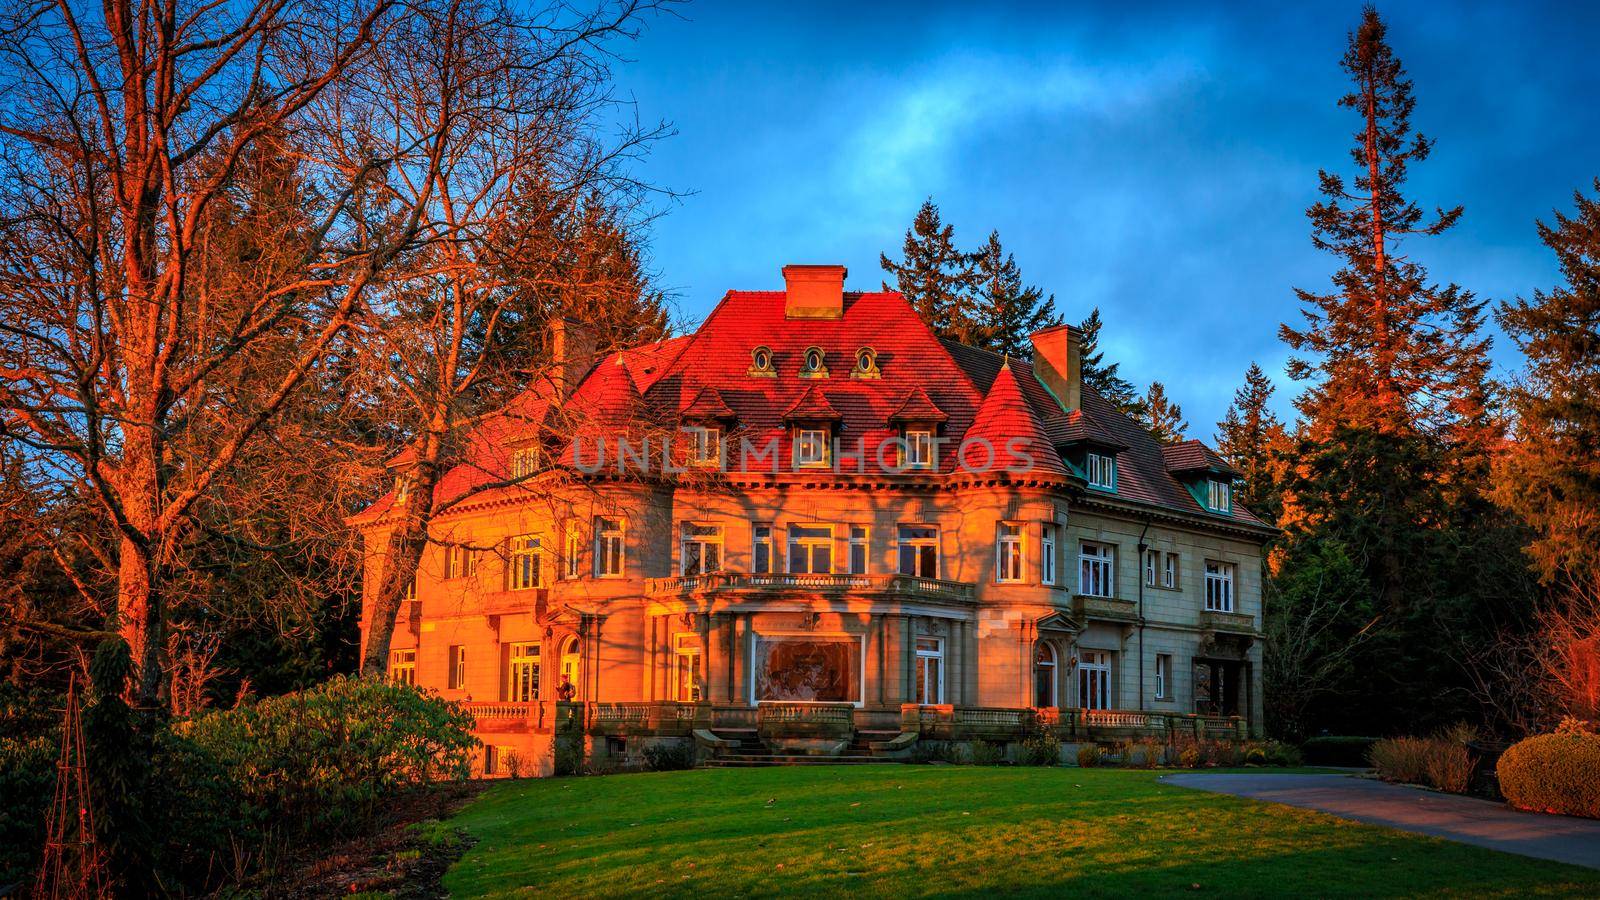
988 753
1403 759
1337 750
1281 754
27 777
1555 773
1449 766
1192 756
1255 756
669 757
324 759
1090 756
1041 749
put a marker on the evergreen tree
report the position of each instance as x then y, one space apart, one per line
1161 416
1548 475
1007 311
1250 436
934 276
1103 377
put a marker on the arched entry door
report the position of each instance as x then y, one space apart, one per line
570 666
1044 675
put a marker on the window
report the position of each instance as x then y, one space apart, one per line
918 449
1102 471
702 549
608 547
460 562
456 665
812 363
524 462
1152 564
573 564
1008 552
859 548
403 666
402 489
761 549
866 364
491 759
1094 680
761 362
1044 675
705 444
1220 496
1163 673
687 685
811 549
919 551
1047 553
1219 586
411 589
523 571
522 673
930 670
811 447
1169 571
1096 573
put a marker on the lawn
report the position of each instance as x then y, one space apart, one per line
948 831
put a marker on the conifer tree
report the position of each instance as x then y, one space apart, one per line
934 276
1250 436
1162 417
1102 377
1549 474
1007 311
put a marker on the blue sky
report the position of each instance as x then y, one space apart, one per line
1155 162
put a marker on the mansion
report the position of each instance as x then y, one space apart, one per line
815 525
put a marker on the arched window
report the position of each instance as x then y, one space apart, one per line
571 668
866 363
813 359
1044 675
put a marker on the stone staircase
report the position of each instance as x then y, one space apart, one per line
742 748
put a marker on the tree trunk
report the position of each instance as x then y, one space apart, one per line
403 556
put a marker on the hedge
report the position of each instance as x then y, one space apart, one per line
1554 773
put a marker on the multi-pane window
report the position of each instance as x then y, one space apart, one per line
572 565
761 549
1219 586
705 444
1160 569
919 551
919 448
456 666
1220 496
687 683
1094 680
608 547
1152 566
930 670
811 447
1096 570
1163 674
702 548
522 673
1169 571
460 562
811 549
1101 470
527 553
524 462
1047 553
1044 675
403 666
1008 552
859 548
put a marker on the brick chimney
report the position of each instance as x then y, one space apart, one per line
813 292
572 351
1058 361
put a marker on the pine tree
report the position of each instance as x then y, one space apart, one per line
1250 436
1007 311
1162 417
1103 378
1549 475
934 276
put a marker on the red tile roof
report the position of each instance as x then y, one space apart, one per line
812 406
1186 457
1007 421
708 405
918 408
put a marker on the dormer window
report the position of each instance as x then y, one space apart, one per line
1219 496
812 444
761 363
812 363
917 450
524 462
705 444
1101 470
866 364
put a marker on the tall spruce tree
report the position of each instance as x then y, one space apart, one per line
934 276
1007 311
1250 436
1161 416
1101 376
1549 475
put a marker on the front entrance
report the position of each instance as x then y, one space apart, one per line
1217 687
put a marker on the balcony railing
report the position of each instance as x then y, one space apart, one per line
1086 607
484 711
785 582
1230 622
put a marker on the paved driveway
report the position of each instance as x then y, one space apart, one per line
1465 819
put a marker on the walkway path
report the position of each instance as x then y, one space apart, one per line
1465 819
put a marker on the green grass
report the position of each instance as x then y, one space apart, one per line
948 831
